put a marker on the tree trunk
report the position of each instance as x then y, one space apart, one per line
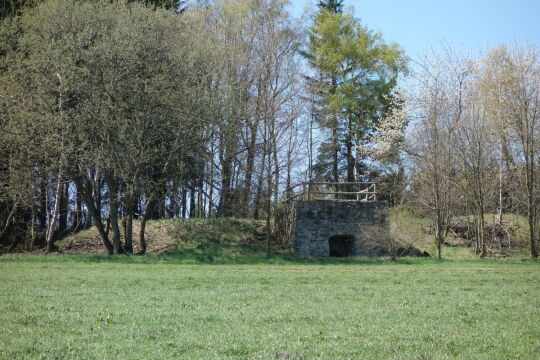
43 211
531 193
200 197
87 192
184 202
310 145
64 209
32 227
225 198
211 181
128 232
500 208
113 213
96 191
288 190
335 139
55 214
77 216
483 250
146 213
258 195
438 236
276 169
8 219
250 163
476 227
335 153
227 150
192 207
128 223
481 237
349 150
268 198
531 210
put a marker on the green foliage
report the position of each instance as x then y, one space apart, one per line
356 73
331 5
166 4
365 68
91 70
104 85
12 8
146 105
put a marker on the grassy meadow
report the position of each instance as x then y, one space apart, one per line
73 307
212 294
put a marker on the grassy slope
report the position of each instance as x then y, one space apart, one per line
243 240
413 230
68 307
195 239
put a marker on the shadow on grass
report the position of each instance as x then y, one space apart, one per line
216 257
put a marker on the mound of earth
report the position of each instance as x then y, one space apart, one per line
404 250
496 235
236 236
157 235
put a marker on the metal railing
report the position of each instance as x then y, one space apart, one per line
341 191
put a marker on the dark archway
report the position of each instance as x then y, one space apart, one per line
341 245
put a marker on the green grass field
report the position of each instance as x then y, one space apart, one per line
207 291
94 307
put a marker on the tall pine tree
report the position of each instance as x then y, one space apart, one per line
354 74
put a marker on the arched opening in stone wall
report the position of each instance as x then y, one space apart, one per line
341 245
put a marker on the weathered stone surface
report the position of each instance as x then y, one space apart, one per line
319 220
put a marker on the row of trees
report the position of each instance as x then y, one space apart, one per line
114 111
119 110
474 145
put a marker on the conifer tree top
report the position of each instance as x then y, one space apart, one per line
331 5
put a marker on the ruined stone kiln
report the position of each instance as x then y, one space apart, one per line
336 228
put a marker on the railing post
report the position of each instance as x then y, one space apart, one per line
365 191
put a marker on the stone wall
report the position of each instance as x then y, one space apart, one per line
319 220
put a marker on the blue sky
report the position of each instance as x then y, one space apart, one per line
468 25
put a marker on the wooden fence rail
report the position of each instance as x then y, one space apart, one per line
342 191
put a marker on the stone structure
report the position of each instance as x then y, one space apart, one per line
335 228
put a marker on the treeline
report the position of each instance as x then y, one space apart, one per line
114 110
473 147
120 110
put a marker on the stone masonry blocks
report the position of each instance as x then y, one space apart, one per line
318 220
